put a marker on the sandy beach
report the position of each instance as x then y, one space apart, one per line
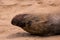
10 8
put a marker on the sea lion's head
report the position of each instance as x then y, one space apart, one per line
22 20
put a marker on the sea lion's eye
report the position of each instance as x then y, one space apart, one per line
29 23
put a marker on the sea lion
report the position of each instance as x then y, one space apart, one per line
41 24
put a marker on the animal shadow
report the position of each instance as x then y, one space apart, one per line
24 34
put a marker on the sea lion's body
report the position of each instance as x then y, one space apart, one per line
42 24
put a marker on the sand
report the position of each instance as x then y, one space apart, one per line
10 8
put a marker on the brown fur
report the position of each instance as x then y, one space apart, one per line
42 24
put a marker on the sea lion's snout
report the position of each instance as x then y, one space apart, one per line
19 20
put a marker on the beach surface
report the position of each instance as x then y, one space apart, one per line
10 8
